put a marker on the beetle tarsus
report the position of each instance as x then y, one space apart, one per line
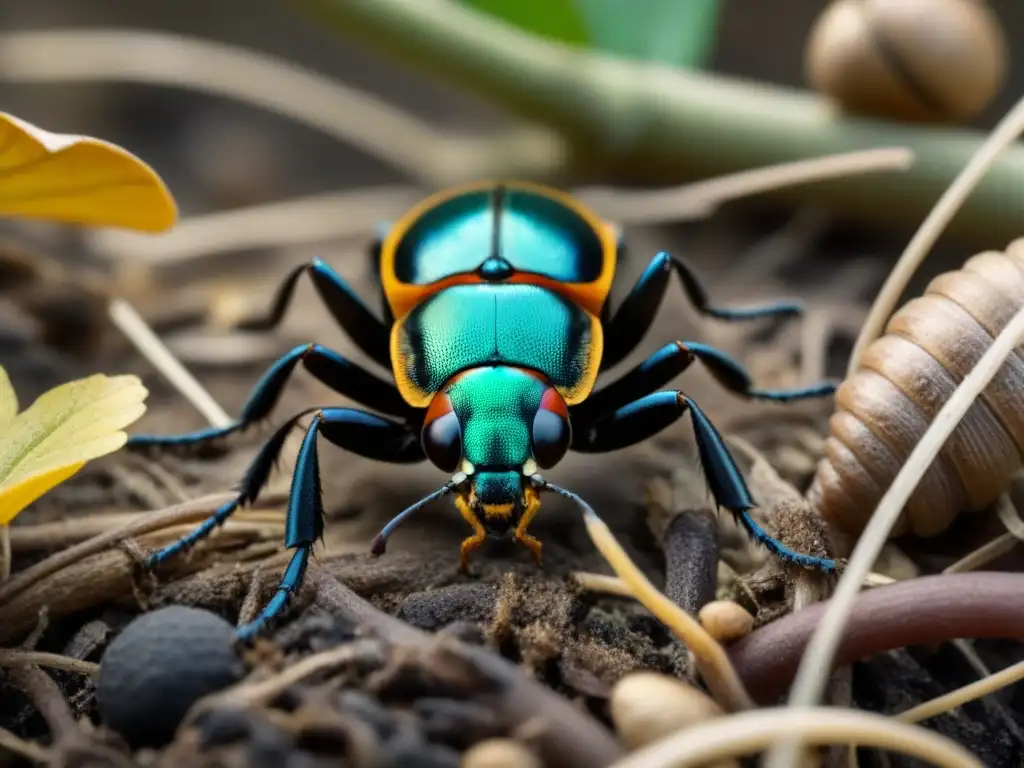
650 414
290 582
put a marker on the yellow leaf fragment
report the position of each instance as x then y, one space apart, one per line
8 401
78 180
62 430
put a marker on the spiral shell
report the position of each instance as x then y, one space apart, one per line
904 378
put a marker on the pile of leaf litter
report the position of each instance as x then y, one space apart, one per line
401 660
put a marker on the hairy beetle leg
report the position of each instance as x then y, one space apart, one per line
532 543
479 534
645 417
344 304
633 318
363 433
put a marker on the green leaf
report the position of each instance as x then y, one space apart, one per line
553 19
62 430
676 32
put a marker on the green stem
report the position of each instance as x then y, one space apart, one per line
645 123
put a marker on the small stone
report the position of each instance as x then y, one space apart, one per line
499 753
159 666
646 707
726 621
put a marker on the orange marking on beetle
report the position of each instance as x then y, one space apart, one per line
440 406
552 401
403 297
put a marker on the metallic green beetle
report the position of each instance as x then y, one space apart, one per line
496 326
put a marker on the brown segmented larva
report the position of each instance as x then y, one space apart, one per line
904 378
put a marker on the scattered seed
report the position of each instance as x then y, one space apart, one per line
499 753
725 620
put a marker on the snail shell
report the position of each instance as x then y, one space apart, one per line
904 378
913 60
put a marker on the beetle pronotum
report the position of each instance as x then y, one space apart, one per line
903 379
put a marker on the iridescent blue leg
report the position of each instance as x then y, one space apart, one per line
348 310
248 489
340 374
645 417
670 361
633 318
363 433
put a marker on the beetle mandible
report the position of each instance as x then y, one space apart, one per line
904 378
496 325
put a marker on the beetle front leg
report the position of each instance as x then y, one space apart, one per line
652 413
520 535
479 534
634 317
348 310
343 376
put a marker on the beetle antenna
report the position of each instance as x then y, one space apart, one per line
380 541
589 515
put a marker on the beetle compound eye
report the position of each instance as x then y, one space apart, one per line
442 435
551 431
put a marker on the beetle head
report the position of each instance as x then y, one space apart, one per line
496 427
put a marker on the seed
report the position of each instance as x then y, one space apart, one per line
646 707
499 753
725 620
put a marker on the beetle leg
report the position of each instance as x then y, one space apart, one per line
348 310
365 434
479 534
633 318
521 536
670 361
652 413
330 368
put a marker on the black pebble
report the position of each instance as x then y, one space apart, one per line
160 665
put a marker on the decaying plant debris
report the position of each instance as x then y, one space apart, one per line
403 661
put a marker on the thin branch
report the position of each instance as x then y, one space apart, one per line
416 148
302 221
751 732
976 690
702 198
26 749
919 611
128 321
145 522
965 184
14 657
692 124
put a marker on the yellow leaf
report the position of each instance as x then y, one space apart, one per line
8 401
78 180
62 430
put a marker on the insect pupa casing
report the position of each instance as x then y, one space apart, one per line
903 380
